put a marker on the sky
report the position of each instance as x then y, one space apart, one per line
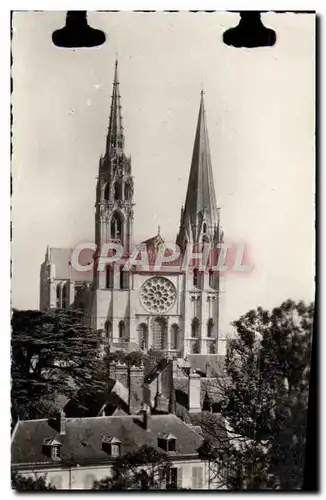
260 110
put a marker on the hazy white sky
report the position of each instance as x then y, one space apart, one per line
260 114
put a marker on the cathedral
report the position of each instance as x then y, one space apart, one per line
170 309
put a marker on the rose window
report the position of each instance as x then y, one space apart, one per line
158 294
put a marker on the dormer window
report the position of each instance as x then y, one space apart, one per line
55 451
112 446
52 448
167 442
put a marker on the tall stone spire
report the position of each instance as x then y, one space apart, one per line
200 206
115 137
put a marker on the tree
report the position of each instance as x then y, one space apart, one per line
53 352
145 469
264 398
21 483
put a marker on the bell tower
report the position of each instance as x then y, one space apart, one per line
199 226
114 191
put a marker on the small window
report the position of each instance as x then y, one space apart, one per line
211 279
197 478
212 348
210 326
167 442
118 190
109 277
173 479
195 328
121 329
55 451
195 277
58 296
111 445
115 450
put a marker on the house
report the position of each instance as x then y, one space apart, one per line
75 452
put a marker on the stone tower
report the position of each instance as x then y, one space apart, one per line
113 223
199 226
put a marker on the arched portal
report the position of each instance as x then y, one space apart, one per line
159 333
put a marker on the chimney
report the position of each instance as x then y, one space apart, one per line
136 380
194 383
146 416
121 373
62 420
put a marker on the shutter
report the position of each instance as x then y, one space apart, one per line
200 478
179 477
197 478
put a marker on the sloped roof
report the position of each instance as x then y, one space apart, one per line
209 364
208 388
61 258
82 442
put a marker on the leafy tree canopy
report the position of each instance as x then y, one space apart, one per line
265 399
146 469
21 483
53 352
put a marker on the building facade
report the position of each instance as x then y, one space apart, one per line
74 453
169 309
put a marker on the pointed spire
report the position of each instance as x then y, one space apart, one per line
47 254
201 191
115 137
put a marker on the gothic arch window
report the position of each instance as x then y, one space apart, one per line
123 279
204 227
159 333
211 279
174 336
118 190
108 330
122 329
212 348
109 277
107 191
65 296
210 326
195 277
127 191
58 300
195 347
195 328
143 336
116 226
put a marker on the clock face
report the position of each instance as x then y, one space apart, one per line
158 294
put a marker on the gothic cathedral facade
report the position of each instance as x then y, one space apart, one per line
173 310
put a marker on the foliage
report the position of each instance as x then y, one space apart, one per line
21 483
53 352
146 469
264 400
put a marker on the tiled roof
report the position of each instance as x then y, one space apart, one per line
209 364
82 442
213 426
61 258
